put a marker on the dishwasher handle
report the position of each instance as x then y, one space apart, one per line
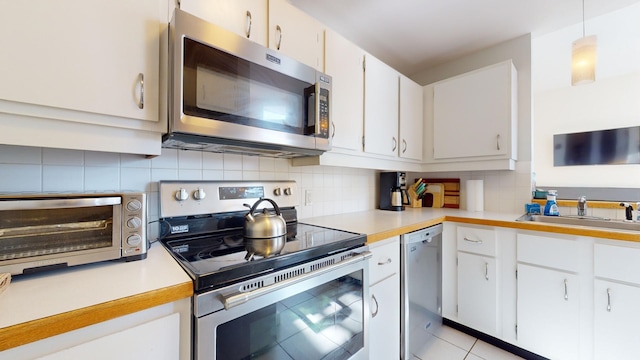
236 299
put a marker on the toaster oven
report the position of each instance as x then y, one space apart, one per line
41 232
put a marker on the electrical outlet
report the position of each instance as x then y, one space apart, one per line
308 197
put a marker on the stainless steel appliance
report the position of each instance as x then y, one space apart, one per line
393 191
309 300
420 289
229 94
50 231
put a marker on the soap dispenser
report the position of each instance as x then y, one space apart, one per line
551 207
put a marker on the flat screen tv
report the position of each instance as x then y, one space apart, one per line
612 146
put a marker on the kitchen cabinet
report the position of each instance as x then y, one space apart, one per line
616 298
550 294
384 282
72 79
411 119
472 120
247 18
478 284
380 108
344 63
296 34
161 332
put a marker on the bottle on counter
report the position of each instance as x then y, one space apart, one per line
551 207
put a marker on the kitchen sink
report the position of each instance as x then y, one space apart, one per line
575 220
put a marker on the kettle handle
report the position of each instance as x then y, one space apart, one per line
275 206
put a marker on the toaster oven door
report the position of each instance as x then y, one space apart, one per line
47 233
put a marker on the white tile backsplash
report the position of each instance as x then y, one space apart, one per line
20 155
62 178
20 177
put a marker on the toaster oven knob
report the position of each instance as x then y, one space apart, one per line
134 205
134 222
182 194
199 194
134 240
277 192
287 191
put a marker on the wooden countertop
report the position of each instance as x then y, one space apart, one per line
38 306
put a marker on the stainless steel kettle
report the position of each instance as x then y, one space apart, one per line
264 232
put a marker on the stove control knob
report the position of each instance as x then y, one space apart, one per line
182 194
287 191
199 194
277 192
134 205
134 240
134 222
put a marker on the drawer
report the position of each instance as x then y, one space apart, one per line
558 253
477 240
620 263
385 260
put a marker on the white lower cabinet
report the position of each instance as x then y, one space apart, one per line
478 292
384 326
548 312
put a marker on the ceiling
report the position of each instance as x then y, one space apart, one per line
412 35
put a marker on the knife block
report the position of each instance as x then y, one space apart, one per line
415 202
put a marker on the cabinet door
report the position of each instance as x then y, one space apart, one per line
343 61
91 56
296 34
380 108
616 320
473 114
478 292
384 328
548 312
246 18
411 119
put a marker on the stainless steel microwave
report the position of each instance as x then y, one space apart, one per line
40 232
229 94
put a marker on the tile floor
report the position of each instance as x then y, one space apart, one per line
451 344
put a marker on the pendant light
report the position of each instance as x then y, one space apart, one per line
583 57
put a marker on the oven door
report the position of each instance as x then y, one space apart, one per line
47 233
318 315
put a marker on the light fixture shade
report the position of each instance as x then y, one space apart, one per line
583 60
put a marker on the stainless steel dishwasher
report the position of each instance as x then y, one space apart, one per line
420 289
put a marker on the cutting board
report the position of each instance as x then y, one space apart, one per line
434 195
451 193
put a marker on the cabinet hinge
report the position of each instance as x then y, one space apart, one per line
364 63
362 142
457 262
516 331
516 274
456 308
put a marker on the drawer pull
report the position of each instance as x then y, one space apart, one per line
388 261
566 292
609 300
486 271
473 241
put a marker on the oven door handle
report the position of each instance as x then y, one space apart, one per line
236 299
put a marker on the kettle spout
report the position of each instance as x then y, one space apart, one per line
249 217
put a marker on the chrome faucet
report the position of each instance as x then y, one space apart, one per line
582 206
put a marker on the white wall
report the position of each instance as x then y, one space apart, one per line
34 169
506 191
612 101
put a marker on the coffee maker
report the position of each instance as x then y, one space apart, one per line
393 191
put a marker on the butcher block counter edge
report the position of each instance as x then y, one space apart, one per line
553 228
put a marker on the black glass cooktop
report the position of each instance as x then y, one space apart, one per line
216 260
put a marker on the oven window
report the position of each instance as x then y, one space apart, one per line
29 233
325 322
221 86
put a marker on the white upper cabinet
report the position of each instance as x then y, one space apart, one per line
472 118
411 119
82 62
246 18
380 108
296 34
343 62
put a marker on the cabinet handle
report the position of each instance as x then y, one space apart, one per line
395 144
141 81
404 146
375 313
498 142
333 126
473 241
248 24
279 35
609 300
566 292
385 262
486 271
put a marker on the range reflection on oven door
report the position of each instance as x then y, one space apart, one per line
325 316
